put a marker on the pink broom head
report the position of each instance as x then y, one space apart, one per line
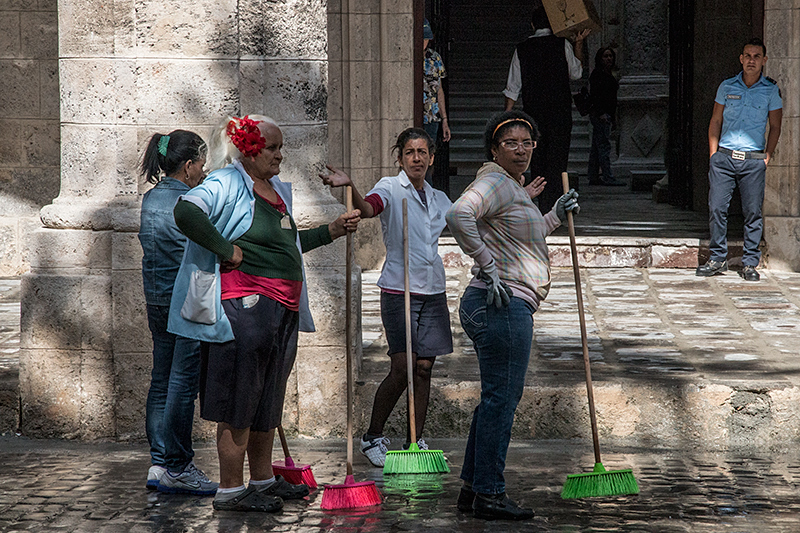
295 474
351 495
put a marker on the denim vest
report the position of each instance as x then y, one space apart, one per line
162 242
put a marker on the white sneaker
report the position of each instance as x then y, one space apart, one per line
421 444
375 450
191 481
154 476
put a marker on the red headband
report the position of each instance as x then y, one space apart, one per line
246 136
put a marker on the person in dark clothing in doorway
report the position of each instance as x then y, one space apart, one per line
540 72
603 88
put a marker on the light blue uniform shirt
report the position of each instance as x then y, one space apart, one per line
425 224
744 120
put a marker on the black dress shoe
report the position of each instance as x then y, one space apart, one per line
499 507
711 268
466 498
749 273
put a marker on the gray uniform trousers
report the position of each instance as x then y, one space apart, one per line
723 175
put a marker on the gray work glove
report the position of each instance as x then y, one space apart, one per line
567 202
497 292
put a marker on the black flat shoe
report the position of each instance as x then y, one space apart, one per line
711 268
466 499
749 273
499 507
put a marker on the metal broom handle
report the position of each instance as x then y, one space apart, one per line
586 364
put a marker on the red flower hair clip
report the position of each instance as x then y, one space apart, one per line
246 136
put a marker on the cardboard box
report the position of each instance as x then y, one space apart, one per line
568 17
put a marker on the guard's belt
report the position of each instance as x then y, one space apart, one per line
741 156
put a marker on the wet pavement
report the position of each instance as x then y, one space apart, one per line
50 486
652 334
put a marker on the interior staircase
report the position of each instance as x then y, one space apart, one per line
483 35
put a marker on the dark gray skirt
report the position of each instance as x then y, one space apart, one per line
243 382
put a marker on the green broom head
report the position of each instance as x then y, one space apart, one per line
415 461
600 483
414 485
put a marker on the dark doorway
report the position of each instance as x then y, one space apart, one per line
477 38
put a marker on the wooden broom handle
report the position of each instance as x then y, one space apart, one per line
284 444
412 421
584 337
348 335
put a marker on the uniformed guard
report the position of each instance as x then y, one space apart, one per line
736 143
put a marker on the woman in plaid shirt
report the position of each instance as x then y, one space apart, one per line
497 224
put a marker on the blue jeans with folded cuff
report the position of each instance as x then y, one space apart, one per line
174 385
502 339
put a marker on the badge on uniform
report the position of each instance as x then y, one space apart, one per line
734 97
286 222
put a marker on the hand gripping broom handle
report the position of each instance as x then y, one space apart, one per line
576 271
412 420
348 335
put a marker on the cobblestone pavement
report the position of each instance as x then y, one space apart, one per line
642 324
52 486
653 324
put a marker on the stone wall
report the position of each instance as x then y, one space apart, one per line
128 69
371 98
29 127
642 110
782 200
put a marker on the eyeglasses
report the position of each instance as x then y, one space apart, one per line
513 145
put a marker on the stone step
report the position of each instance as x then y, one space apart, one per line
675 358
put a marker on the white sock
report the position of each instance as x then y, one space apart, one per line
262 484
229 494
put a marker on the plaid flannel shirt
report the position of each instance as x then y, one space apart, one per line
495 218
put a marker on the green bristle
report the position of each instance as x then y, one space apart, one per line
415 461
600 483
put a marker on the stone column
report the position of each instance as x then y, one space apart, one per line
644 87
782 198
372 97
29 129
129 68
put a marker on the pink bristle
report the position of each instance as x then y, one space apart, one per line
295 474
351 495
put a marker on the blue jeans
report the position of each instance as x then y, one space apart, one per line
174 384
600 154
724 174
502 339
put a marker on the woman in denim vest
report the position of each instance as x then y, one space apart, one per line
174 163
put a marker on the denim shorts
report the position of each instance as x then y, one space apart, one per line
430 324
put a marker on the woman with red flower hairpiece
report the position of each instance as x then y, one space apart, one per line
241 291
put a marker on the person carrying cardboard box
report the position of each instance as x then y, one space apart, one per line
540 72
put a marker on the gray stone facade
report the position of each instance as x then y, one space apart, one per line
126 73
336 75
29 123
782 199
